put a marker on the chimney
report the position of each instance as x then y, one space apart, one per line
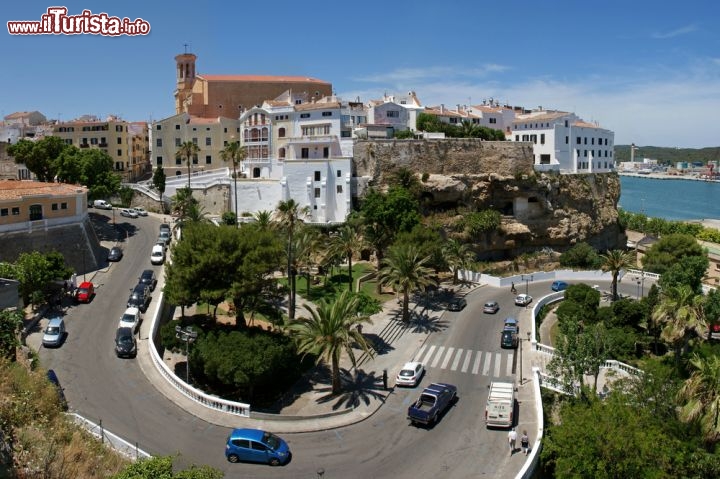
442 108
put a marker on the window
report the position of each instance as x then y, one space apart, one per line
54 207
281 132
119 153
16 211
317 192
305 115
93 141
257 446
177 142
567 139
35 212
317 176
315 130
158 161
339 173
178 161
208 141
3 212
241 443
327 113
119 141
158 127
579 141
281 153
566 123
326 152
338 188
158 142
585 153
194 140
256 172
305 153
585 140
492 121
393 114
208 159
63 206
177 127
592 140
224 130
517 137
195 159
542 138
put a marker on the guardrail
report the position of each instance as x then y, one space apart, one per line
528 470
618 366
196 395
132 451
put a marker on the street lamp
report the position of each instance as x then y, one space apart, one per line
527 279
187 335
520 340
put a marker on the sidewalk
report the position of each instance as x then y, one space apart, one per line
309 405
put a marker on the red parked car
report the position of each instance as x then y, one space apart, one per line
85 292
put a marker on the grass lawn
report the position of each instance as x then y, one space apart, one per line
328 288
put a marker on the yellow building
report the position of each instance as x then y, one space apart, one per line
31 205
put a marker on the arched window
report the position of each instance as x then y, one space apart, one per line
178 173
256 172
281 132
281 153
264 134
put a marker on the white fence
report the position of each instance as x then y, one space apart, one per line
119 444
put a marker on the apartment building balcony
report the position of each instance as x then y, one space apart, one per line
84 145
304 140
103 145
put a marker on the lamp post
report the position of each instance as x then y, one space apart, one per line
527 280
522 379
187 335
642 283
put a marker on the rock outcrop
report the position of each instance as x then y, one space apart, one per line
539 209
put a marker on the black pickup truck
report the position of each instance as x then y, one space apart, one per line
433 400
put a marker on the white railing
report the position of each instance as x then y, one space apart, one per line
113 440
533 459
622 367
553 383
642 274
211 402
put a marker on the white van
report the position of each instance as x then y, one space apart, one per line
500 405
102 204
158 254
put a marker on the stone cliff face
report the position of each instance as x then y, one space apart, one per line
539 209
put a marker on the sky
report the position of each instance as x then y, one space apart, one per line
647 70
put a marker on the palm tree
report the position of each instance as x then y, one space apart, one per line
701 396
289 213
614 261
457 255
235 153
188 151
378 237
331 330
345 244
263 219
305 247
680 312
469 129
405 271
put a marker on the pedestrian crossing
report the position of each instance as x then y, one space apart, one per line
468 361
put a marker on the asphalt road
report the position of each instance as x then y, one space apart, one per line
102 387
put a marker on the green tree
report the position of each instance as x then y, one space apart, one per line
346 243
469 129
40 157
668 250
34 272
405 271
429 242
581 256
263 218
188 151
700 396
97 173
680 314
11 323
330 331
689 270
427 122
236 154
457 256
477 223
289 214
228 218
158 181
161 467
615 261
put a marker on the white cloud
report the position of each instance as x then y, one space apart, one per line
674 33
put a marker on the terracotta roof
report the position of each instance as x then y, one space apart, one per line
262 78
14 189
20 114
317 106
585 124
436 111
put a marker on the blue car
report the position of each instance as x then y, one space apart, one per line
255 445
559 286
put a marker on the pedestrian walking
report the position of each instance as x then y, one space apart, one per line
384 379
525 442
512 437
512 288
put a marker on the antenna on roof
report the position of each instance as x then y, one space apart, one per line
186 47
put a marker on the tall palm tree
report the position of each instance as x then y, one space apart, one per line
187 150
457 255
346 243
680 313
329 331
405 271
289 213
615 261
235 153
701 396
306 244
378 237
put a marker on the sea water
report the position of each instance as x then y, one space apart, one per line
670 199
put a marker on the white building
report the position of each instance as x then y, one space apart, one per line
394 113
564 142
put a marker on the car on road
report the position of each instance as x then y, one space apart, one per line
52 377
85 292
559 286
125 343
511 324
410 374
148 278
164 236
139 297
491 307
432 403
115 254
157 256
102 205
129 213
255 445
523 299
457 304
140 211
508 339
130 319
54 333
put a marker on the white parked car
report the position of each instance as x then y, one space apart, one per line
141 211
54 333
158 254
410 374
523 299
128 212
130 319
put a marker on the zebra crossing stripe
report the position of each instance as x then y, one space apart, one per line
486 364
497 365
437 356
466 364
429 354
509 364
476 366
420 353
456 363
449 354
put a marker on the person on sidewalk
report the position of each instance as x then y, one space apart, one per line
512 437
525 442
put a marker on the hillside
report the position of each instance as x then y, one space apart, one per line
668 156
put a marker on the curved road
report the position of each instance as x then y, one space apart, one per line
104 388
